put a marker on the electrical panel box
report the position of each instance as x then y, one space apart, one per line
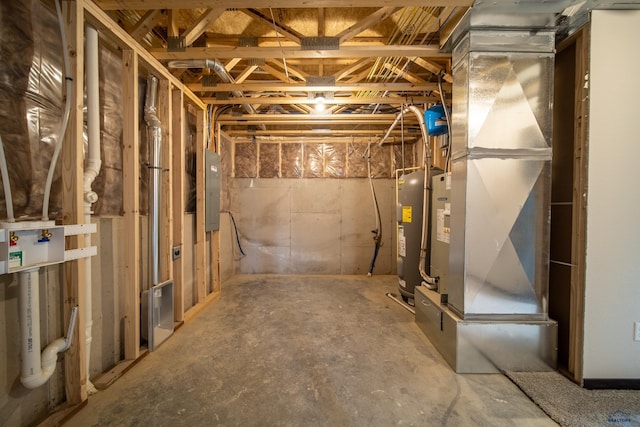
212 191
440 232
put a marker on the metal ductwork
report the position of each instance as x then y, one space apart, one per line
496 318
218 68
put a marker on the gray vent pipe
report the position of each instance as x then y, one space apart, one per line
217 67
155 167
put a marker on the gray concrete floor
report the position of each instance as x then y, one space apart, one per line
305 351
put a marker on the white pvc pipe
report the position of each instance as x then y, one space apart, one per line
91 170
8 198
36 368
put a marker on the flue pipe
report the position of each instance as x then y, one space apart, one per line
36 368
155 167
218 68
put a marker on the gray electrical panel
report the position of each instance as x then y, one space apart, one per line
212 190
440 232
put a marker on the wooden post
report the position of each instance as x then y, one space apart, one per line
579 213
177 173
131 205
72 206
166 211
201 237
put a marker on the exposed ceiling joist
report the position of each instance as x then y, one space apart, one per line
296 87
296 52
283 30
200 26
343 100
353 68
146 24
375 18
263 4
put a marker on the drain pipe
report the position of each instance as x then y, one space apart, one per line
155 167
36 368
91 170
428 281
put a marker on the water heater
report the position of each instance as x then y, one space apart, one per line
409 217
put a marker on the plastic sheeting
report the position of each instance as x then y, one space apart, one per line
225 165
269 160
409 156
380 161
315 159
246 159
31 105
108 183
335 160
190 160
31 109
357 161
291 160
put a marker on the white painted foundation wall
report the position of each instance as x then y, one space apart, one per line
612 300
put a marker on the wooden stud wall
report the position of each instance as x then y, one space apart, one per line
178 195
578 244
165 107
172 97
73 207
130 205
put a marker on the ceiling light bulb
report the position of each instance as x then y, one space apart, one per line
319 98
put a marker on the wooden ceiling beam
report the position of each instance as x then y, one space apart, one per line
245 73
207 18
263 4
432 67
404 74
296 87
352 68
277 73
232 63
343 100
296 52
172 23
283 30
313 132
371 20
146 24
294 71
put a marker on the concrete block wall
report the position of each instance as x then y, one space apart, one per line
312 226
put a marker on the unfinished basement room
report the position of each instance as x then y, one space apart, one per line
345 213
